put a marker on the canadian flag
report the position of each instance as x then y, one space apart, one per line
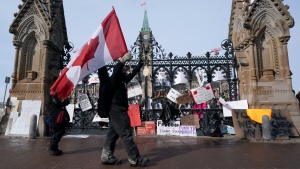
106 45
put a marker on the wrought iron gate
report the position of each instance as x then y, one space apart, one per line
220 72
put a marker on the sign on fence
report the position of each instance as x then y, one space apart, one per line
134 114
84 102
190 120
147 128
187 131
171 128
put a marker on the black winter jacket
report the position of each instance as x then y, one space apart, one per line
55 109
119 85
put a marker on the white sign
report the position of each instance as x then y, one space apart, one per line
203 94
241 104
15 104
169 129
84 102
200 77
29 108
14 116
133 91
173 94
97 118
70 109
187 131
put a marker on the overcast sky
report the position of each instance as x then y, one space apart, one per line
180 26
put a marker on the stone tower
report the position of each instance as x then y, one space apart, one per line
260 31
146 52
39 35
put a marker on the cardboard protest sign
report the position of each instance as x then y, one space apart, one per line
169 129
173 94
134 114
282 126
190 120
244 127
187 131
184 98
202 94
84 102
147 128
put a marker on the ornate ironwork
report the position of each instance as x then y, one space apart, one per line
220 71
65 55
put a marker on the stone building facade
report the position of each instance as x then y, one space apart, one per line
260 31
39 36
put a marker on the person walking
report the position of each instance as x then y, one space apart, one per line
59 120
119 121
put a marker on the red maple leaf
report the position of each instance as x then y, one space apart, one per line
195 92
207 87
87 53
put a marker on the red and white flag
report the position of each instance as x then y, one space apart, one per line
106 45
143 4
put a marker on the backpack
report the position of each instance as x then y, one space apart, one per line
105 93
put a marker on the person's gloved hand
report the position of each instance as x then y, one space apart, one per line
141 63
125 58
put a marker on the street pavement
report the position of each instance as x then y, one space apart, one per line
164 152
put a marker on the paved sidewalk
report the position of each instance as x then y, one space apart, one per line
163 152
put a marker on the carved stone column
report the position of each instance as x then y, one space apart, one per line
285 60
46 44
252 59
14 76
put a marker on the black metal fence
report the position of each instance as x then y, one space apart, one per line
220 71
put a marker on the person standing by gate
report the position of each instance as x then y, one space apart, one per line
119 121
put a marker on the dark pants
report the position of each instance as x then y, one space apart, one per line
56 135
119 126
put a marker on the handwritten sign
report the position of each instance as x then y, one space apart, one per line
133 91
187 131
169 129
134 114
282 126
190 120
147 128
202 94
173 94
244 127
84 102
